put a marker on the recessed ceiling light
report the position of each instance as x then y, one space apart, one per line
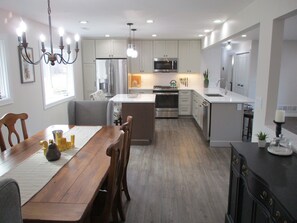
107 35
207 30
149 21
244 35
83 22
217 21
154 35
200 35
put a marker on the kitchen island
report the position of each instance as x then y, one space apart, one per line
142 108
225 117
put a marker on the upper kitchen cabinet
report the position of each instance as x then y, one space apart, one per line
144 62
165 49
189 56
88 51
113 48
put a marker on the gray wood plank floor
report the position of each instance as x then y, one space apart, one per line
178 178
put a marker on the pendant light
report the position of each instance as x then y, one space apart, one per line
229 46
130 46
134 53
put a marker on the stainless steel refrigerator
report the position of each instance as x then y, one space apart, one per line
112 76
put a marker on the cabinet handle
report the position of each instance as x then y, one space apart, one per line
263 195
245 171
277 214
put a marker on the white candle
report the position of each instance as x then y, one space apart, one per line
279 116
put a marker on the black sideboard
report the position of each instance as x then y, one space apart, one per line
262 187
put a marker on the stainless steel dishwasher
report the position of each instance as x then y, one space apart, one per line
206 119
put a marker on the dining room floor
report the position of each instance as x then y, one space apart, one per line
177 178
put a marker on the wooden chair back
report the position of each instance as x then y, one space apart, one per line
9 120
114 151
127 128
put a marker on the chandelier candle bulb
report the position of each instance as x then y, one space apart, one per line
279 116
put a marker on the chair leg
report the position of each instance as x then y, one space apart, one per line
120 206
125 186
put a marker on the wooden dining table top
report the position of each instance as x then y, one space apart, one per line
69 195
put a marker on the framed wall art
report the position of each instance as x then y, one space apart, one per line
27 70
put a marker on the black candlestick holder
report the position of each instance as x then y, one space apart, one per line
278 128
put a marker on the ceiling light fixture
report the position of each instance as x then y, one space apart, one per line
244 35
154 35
130 46
217 21
107 35
200 35
149 21
134 53
229 46
207 30
48 56
83 22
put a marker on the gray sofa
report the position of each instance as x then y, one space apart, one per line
90 113
10 202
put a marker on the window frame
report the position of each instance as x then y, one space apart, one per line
5 77
63 99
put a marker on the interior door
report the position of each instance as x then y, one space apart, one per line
241 73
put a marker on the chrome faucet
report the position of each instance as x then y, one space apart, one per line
223 79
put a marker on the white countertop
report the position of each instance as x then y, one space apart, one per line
134 98
230 97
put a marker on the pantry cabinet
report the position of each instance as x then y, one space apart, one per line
165 49
144 62
111 48
189 56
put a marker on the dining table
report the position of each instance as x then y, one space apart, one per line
69 194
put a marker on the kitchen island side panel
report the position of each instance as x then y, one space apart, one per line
143 128
226 124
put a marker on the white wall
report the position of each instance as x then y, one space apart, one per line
288 78
264 13
211 60
28 97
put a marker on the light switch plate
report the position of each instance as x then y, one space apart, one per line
239 107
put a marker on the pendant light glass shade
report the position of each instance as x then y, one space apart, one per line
135 53
228 46
130 46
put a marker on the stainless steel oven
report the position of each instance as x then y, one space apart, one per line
166 104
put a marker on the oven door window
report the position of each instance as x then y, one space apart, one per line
166 101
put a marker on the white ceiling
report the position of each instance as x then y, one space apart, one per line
173 19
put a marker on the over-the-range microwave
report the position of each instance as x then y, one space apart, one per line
166 65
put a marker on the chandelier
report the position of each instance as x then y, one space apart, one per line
51 56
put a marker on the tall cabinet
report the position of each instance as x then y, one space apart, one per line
89 67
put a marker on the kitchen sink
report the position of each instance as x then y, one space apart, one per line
214 95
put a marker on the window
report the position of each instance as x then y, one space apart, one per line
58 83
4 85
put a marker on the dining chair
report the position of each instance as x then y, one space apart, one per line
10 201
107 197
127 127
9 120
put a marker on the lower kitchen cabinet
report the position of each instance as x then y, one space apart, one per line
185 102
262 186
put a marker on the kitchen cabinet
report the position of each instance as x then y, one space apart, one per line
89 67
185 102
165 49
197 109
262 187
88 51
111 48
89 76
144 62
189 56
